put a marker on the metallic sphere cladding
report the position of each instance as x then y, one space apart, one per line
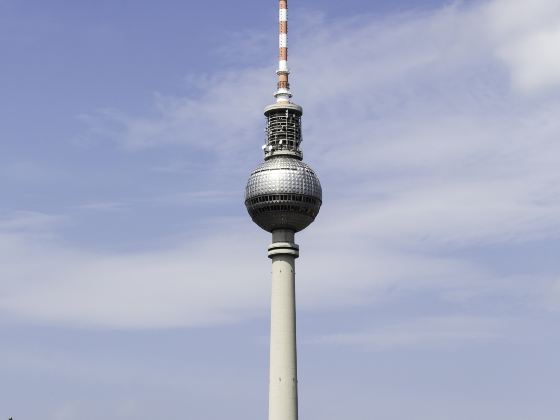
283 193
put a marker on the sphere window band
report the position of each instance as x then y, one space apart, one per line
283 197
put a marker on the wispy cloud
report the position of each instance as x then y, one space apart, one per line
219 279
27 221
102 206
528 40
433 332
431 136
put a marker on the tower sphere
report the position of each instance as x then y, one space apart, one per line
283 193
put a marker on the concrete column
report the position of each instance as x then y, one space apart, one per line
282 402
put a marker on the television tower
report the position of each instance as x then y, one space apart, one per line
283 196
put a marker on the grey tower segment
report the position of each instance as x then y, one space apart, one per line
283 401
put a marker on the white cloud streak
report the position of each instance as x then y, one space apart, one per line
422 333
220 279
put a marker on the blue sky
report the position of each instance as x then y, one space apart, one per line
133 284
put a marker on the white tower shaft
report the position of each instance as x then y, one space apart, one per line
283 402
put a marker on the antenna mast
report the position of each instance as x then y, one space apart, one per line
283 93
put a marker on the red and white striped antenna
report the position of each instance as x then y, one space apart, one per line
283 92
